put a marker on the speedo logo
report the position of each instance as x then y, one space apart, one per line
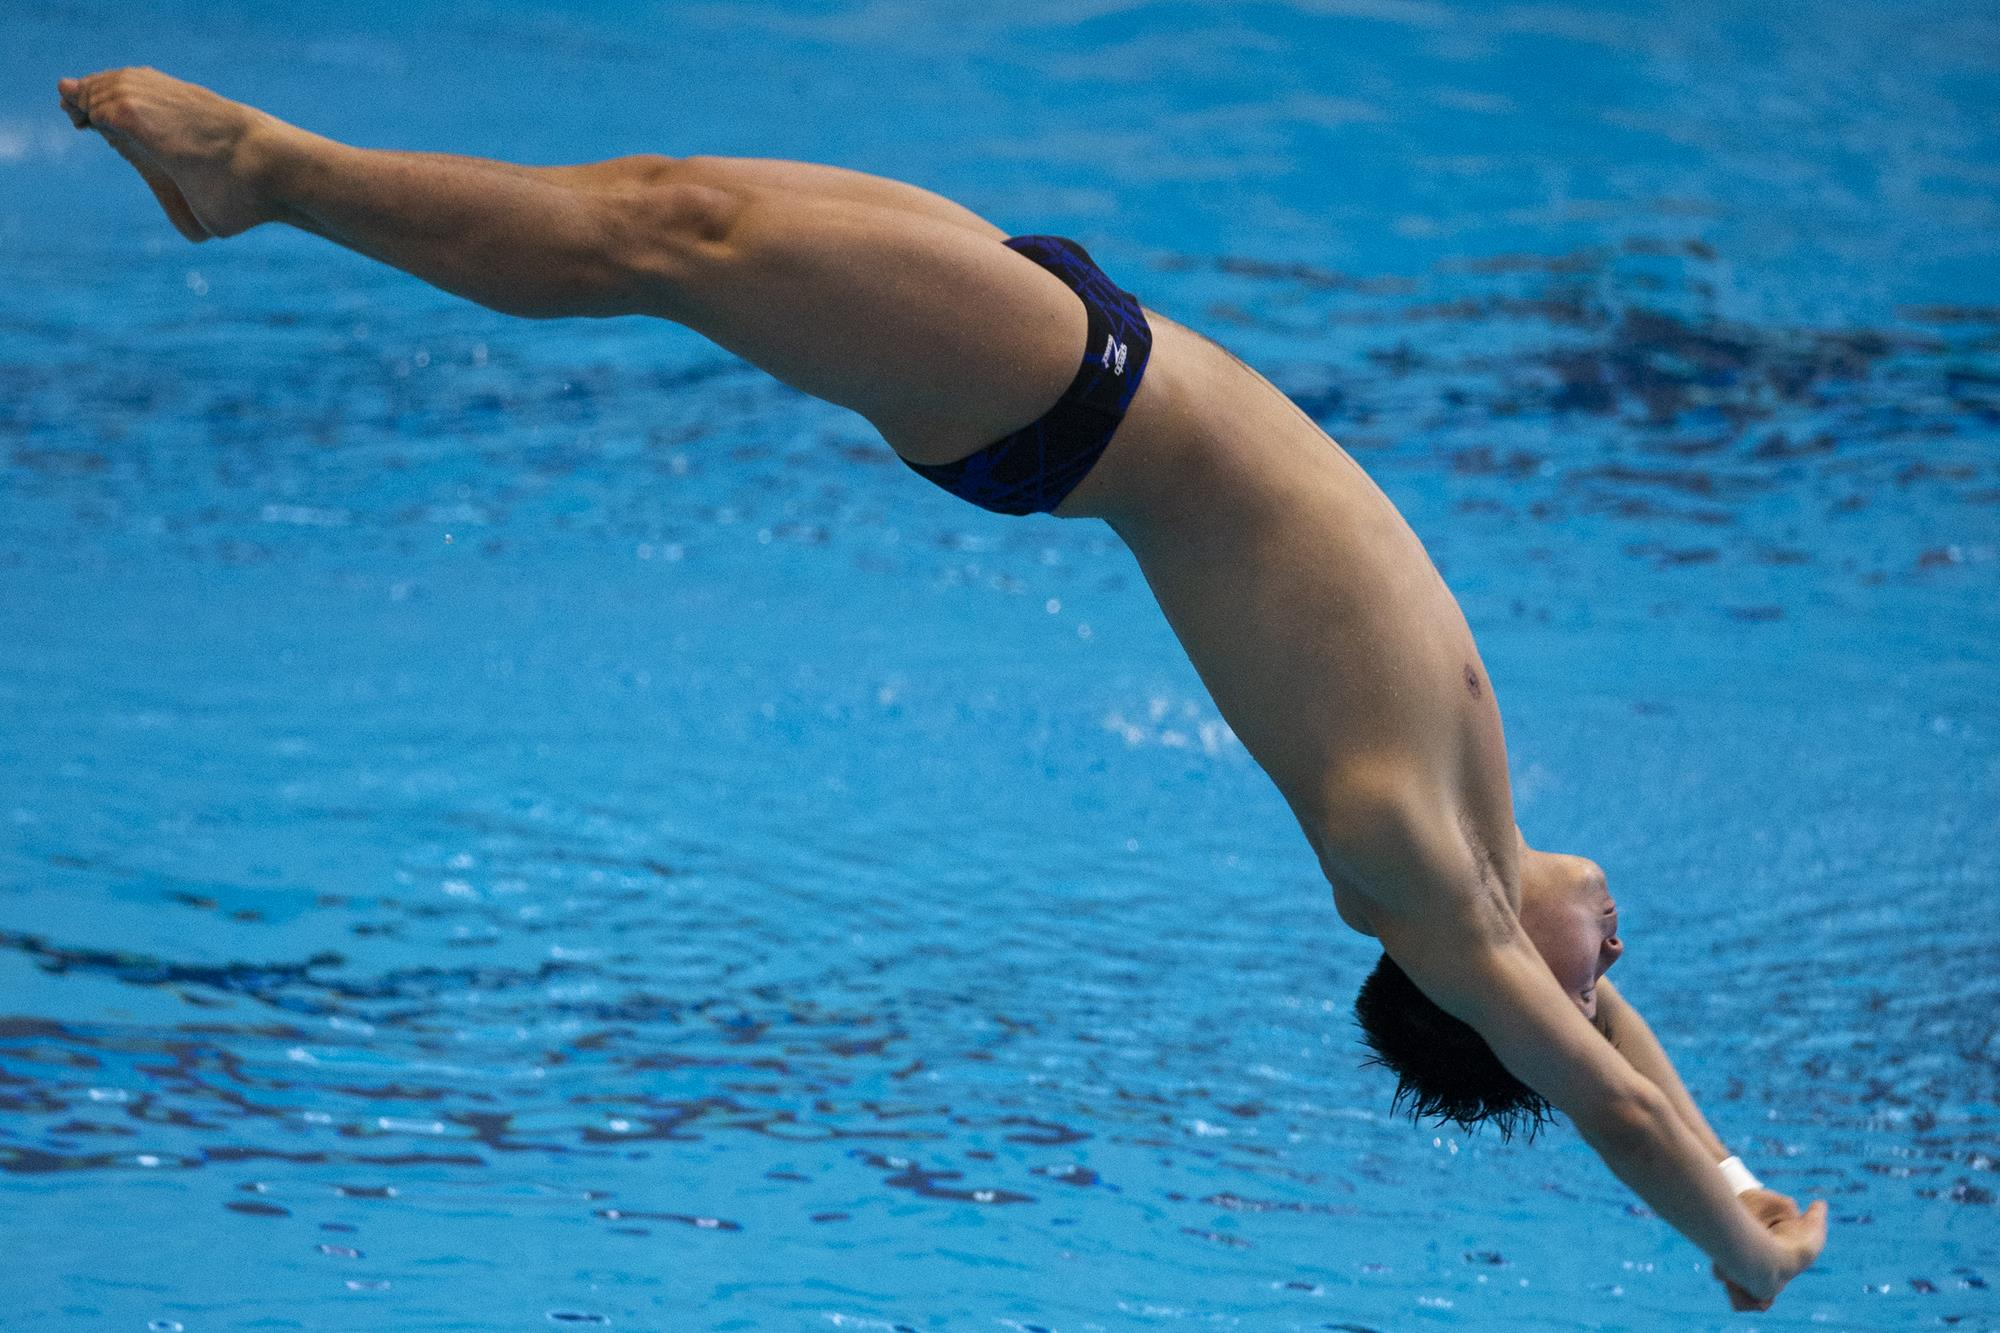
1114 351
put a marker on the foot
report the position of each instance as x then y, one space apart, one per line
203 155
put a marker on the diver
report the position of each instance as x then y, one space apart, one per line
1012 371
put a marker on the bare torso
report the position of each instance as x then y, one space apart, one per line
1307 604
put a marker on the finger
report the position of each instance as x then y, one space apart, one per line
1769 1208
1739 1299
1761 1194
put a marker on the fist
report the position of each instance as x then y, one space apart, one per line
1769 1208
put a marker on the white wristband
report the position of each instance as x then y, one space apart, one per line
1738 1175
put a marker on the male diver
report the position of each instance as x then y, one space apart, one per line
1011 371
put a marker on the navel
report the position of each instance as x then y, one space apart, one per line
1471 681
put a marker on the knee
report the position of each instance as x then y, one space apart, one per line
663 227
642 169
692 212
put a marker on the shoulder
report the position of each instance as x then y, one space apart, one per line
1395 843
1473 960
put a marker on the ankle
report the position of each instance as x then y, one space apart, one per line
274 161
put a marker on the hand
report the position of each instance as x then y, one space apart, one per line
1768 1207
1801 1237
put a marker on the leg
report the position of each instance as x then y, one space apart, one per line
940 337
644 169
775 174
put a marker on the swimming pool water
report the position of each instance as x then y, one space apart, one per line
535 825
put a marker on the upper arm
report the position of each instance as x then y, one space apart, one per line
1479 966
1439 907
1612 1007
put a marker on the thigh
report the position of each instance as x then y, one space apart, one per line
939 335
859 187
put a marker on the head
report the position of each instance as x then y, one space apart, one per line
1444 1069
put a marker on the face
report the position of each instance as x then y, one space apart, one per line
1573 921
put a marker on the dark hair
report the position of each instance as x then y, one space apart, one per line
1443 1067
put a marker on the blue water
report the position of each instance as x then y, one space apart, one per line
534 825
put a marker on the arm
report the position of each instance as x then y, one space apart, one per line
1441 912
1487 972
1641 1049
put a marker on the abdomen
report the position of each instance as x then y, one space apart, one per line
1309 607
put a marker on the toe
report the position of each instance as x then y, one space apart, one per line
80 94
108 110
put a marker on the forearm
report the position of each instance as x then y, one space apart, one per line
1654 1151
1642 1050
